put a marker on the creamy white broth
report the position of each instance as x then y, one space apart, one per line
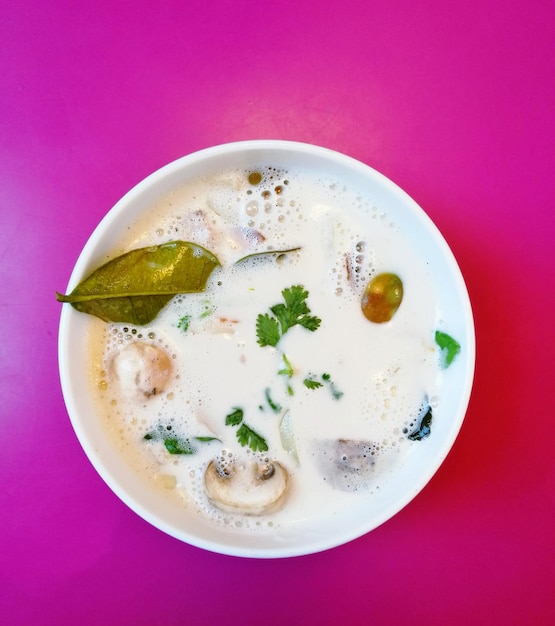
383 371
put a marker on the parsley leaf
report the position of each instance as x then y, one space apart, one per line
235 417
248 437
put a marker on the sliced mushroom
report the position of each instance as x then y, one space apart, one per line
142 368
347 464
246 487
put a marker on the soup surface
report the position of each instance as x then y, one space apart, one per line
294 419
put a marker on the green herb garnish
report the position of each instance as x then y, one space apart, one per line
310 383
424 426
246 436
178 446
173 444
293 311
276 408
235 417
449 348
287 369
208 309
184 323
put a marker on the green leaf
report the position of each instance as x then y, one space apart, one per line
310 383
310 322
295 310
449 348
276 408
291 312
424 428
178 446
267 330
335 392
134 287
266 253
248 437
235 417
184 323
287 369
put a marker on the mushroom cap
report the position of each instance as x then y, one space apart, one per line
142 368
347 464
249 488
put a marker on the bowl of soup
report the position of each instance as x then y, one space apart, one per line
266 349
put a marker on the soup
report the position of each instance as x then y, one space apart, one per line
271 398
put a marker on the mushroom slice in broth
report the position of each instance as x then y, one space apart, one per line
245 486
347 464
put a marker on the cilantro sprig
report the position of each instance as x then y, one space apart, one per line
313 383
449 347
172 442
292 312
246 436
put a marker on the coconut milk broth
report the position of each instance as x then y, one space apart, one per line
383 371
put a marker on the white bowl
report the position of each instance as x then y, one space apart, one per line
366 513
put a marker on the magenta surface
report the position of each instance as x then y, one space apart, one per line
455 103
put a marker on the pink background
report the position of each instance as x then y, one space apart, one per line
455 102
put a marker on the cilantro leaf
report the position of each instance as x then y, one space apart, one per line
292 311
267 330
276 408
310 322
449 348
178 446
173 444
310 383
295 310
424 428
248 437
287 369
335 392
235 417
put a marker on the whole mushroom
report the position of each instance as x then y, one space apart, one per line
142 368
